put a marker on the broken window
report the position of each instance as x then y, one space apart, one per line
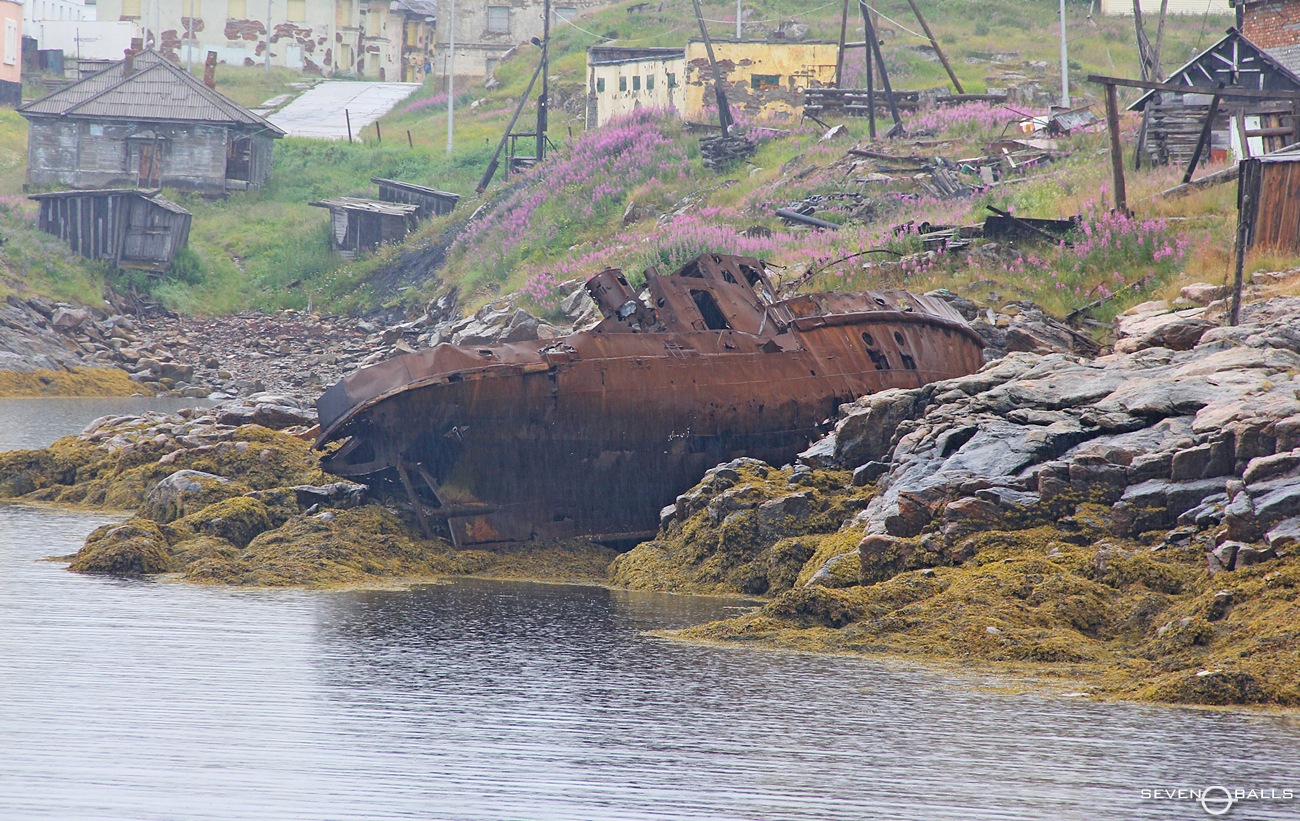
709 310
761 82
672 80
649 82
636 83
600 85
498 19
622 84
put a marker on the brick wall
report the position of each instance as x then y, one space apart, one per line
1271 23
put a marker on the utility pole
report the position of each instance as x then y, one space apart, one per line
543 101
1065 64
451 78
189 49
267 62
737 21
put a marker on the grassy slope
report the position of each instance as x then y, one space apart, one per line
268 248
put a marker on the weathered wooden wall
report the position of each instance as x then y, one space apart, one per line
1274 208
431 202
123 227
106 154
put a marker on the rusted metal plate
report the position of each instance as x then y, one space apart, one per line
593 433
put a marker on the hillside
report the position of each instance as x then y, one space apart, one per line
637 194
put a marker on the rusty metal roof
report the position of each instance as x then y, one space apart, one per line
156 90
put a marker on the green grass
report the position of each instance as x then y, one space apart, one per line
268 248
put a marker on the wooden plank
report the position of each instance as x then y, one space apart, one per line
1116 151
1232 92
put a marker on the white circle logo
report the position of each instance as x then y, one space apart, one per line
1216 800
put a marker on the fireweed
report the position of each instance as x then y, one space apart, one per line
582 185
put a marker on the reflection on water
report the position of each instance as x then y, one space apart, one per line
481 700
34 423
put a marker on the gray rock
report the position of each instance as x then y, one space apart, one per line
185 492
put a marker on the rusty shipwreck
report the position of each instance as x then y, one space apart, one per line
593 433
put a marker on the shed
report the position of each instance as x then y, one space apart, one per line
1249 128
431 201
1272 183
358 226
145 122
128 227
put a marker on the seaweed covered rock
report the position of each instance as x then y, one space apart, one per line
118 461
749 528
342 547
134 548
236 520
184 492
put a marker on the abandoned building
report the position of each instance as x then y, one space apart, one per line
1243 128
11 53
1151 8
359 226
145 122
431 201
127 227
621 80
377 39
485 30
1268 200
762 80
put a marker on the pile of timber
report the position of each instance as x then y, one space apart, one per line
855 102
721 152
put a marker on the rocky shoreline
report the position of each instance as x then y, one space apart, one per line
1127 520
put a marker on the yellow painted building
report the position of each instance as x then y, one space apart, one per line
762 80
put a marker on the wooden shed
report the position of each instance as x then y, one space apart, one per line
358 226
431 201
128 227
1268 201
1247 128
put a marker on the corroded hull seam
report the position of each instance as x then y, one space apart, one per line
593 433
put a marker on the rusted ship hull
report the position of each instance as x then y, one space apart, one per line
594 433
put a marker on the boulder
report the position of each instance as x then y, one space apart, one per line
185 492
134 548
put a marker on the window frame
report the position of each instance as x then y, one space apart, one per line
497 12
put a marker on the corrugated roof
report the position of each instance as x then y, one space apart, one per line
156 90
419 189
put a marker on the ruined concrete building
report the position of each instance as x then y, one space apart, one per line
375 39
487 29
761 79
146 122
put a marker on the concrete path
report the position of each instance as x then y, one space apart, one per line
319 111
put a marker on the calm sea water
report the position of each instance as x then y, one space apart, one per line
478 700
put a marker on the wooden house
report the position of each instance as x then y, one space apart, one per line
146 122
125 226
431 201
1245 128
358 226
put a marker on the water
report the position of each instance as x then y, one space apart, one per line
480 700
